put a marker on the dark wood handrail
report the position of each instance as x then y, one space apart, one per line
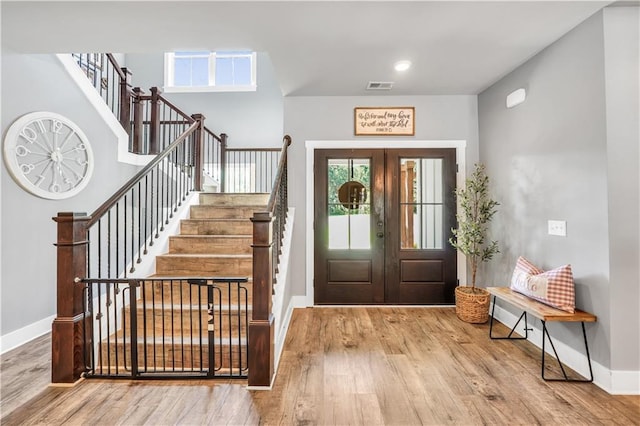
176 109
254 149
276 183
115 64
106 206
167 122
216 137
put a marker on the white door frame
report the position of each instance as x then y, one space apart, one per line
311 145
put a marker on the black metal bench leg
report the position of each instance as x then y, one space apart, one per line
586 347
545 334
508 337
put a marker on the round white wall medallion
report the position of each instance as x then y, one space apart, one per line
48 155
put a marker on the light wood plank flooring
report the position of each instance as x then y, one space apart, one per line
360 366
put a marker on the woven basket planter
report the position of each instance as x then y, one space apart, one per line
472 306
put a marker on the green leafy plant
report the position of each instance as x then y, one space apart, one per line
477 210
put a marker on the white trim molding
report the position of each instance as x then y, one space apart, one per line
25 334
624 383
161 244
283 279
282 316
312 145
294 303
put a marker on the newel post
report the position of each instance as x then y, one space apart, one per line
223 162
136 137
68 329
198 152
261 325
125 100
154 128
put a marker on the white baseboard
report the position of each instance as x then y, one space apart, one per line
161 244
260 388
25 334
624 382
295 302
613 382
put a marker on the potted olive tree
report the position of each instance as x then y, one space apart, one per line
476 211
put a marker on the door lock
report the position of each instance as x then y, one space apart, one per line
380 234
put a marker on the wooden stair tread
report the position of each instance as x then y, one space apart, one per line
211 236
194 308
159 340
231 206
223 219
174 277
208 255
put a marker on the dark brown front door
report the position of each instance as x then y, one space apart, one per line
382 224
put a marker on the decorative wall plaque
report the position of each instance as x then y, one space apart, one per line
384 121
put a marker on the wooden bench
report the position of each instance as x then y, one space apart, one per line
544 313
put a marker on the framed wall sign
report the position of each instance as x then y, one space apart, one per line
384 121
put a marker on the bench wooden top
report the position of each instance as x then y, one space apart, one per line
537 309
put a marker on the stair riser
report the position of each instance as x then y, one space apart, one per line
204 266
223 212
176 356
210 245
177 294
214 227
184 323
222 199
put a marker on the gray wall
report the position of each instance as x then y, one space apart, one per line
251 119
550 158
28 271
331 118
621 42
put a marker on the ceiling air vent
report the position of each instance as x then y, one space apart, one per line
380 85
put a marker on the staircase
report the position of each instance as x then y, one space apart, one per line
109 323
216 239
177 319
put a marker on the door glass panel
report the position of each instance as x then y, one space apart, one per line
421 203
349 203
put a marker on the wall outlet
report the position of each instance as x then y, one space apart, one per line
558 227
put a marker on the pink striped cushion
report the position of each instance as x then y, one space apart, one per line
555 288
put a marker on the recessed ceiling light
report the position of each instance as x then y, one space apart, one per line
402 65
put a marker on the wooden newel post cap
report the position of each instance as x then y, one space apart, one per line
70 216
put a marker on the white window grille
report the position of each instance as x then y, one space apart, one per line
202 71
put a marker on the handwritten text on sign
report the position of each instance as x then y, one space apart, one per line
385 121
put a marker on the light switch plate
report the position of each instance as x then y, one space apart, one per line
558 227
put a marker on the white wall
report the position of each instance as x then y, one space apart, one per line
28 274
560 155
622 75
250 119
331 118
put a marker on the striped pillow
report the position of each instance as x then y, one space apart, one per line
555 288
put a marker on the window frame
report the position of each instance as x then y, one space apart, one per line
169 74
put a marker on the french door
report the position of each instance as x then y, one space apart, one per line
383 218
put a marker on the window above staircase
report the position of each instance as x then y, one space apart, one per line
205 71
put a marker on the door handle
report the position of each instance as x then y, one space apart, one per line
380 234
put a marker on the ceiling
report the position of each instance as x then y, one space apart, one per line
318 48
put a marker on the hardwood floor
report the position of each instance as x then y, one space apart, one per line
364 366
